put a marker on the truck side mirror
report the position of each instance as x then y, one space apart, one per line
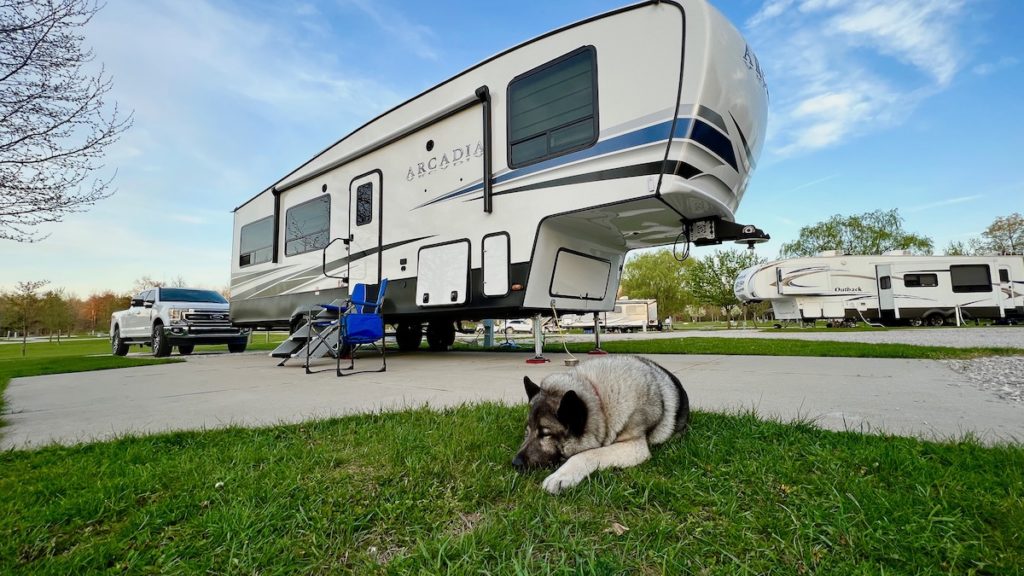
136 302
147 305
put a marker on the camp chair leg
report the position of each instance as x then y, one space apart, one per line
383 357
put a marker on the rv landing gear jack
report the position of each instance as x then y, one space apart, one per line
597 337
538 346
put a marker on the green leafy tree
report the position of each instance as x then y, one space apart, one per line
660 276
21 308
711 278
1005 235
869 233
56 314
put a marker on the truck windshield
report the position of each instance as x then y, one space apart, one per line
189 295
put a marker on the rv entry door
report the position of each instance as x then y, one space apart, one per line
1007 292
364 228
886 302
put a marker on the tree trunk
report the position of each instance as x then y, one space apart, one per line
24 340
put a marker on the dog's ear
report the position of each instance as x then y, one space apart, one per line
572 413
531 388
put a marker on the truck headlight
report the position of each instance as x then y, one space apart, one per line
176 315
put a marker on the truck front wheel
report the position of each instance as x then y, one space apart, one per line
117 345
161 346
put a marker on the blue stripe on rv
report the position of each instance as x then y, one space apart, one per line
702 133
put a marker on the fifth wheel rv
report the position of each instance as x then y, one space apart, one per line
894 288
520 184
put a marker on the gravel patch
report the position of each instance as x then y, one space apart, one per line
1002 376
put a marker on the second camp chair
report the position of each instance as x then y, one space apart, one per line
362 324
323 330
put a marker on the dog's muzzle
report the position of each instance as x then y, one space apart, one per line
519 464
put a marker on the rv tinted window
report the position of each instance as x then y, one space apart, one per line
970 278
885 283
1004 275
364 204
256 243
920 280
307 226
552 109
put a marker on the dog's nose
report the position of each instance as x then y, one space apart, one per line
518 463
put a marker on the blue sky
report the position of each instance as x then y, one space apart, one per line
876 104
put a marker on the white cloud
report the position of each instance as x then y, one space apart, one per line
841 68
988 68
945 202
417 37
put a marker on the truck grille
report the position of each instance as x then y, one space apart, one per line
208 318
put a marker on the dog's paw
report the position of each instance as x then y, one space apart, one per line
561 479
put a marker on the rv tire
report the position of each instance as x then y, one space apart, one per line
440 336
935 319
915 322
408 335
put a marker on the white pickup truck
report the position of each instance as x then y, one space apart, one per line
182 317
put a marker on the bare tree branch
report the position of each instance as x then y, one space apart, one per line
55 125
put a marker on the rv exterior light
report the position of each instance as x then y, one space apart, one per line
517 287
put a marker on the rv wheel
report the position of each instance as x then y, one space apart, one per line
915 322
936 320
440 336
408 336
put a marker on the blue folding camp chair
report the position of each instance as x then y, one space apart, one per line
322 333
362 324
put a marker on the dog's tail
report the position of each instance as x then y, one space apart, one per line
683 407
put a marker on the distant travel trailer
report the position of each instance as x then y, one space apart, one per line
520 184
628 315
894 288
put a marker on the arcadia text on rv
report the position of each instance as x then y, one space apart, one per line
521 183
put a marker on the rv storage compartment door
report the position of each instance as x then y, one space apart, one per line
443 274
579 276
495 262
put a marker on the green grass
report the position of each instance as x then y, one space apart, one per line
767 347
425 492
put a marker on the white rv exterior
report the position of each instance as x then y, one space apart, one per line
628 315
891 288
520 183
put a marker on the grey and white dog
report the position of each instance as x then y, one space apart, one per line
604 413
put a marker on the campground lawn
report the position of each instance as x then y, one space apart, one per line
761 347
424 492
428 492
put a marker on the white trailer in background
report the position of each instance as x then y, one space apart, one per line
520 184
628 315
894 288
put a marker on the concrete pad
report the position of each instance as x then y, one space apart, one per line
907 397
